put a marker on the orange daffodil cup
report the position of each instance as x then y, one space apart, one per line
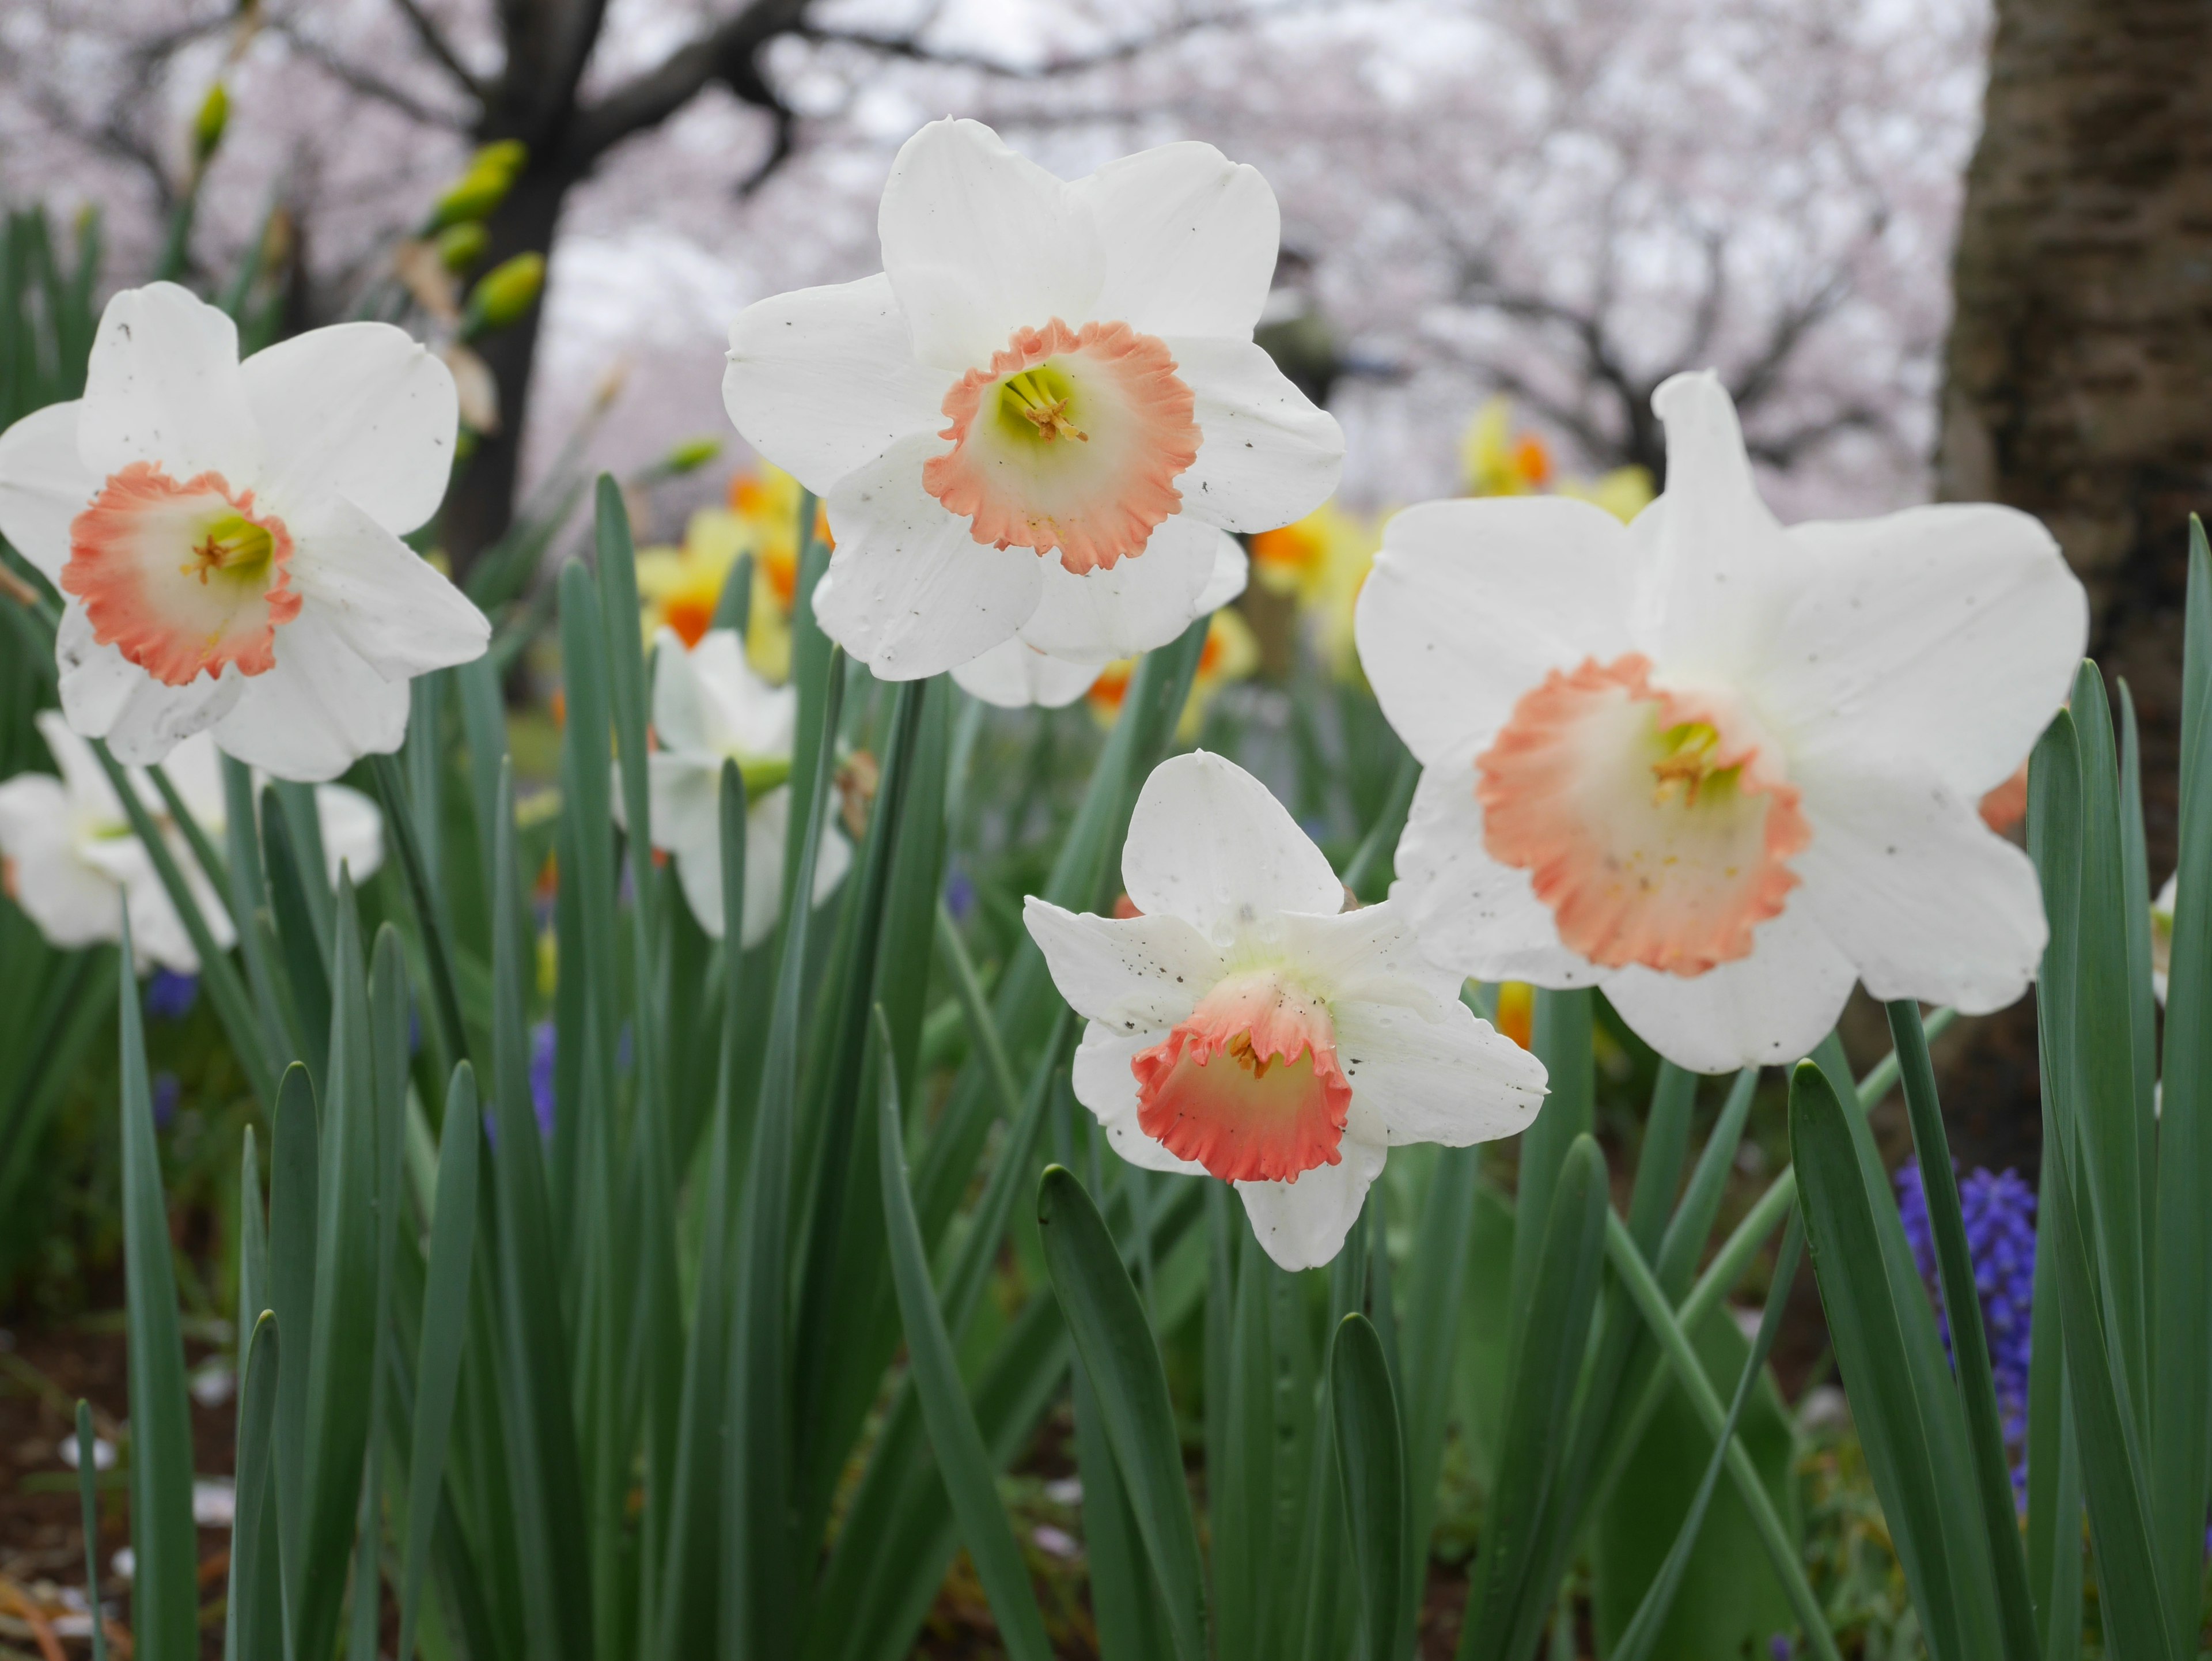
1038 425
1720 767
227 535
1245 1024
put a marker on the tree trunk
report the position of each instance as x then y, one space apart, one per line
481 503
2078 377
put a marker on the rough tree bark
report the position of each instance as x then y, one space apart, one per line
2079 379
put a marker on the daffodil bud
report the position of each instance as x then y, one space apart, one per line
471 197
690 455
504 294
506 156
460 247
207 126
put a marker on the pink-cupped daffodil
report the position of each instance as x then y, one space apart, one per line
1044 415
227 535
1090 645
1244 1024
709 708
70 858
1720 767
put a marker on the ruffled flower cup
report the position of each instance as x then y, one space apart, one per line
227 535
70 858
709 708
1721 768
1244 1024
1038 425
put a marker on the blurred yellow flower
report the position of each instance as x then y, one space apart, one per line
1230 653
682 587
1322 560
1499 462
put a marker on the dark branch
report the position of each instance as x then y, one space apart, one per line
723 53
368 83
441 50
909 44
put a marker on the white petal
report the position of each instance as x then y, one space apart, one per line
1103 1083
1369 955
768 829
1472 603
390 606
43 486
914 593
1146 601
72 903
1189 237
1209 844
1128 975
1768 1009
1014 675
1474 916
822 381
353 831
979 242
319 711
1231 571
105 696
739 713
1302 1224
1716 549
1451 1079
679 714
360 409
163 386
1943 638
1267 456
1923 898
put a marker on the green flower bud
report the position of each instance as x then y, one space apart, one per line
460 247
692 453
470 198
507 157
208 125
504 294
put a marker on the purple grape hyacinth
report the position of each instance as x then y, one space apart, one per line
1998 1208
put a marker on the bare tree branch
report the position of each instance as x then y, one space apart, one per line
367 83
439 49
723 53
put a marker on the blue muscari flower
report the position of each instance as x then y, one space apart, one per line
542 1041
167 1091
1999 1209
170 996
959 895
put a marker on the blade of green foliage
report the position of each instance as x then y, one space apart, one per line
758 1551
307 963
1565 1269
1562 1030
1368 876
686 1623
444 1329
1435 1296
295 1163
1782 1552
1125 1600
1636 1642
1370 1462
2054 1461
88 1490
971 1475
2181 1381
253 1598
246 893
164 1593
1110 1333
1239 1490
534 1414
67 1021
1970 1352
445 998
1908 1414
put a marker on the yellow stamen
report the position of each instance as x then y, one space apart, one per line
1047 414
1688 761
234 545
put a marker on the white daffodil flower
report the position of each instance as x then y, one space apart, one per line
227 535
709 708
1246 1025
1041 420
72 862
1015 674
2161 934
1719 767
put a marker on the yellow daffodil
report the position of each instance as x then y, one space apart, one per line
1498 461
1230 653
682 587
1322 560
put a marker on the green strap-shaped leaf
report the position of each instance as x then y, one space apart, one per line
165 1592
307 964
415 867
970 1474
88 1490
295 1177
1110 1333
1909 1422
253 1623
1370 1463
443 1334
